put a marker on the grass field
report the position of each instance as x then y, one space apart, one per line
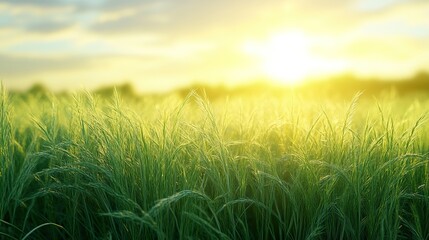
263 167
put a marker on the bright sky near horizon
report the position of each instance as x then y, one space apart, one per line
160 45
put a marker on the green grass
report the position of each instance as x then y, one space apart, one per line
250 168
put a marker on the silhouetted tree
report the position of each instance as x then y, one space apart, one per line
125 90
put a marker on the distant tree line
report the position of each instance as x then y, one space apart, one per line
339 86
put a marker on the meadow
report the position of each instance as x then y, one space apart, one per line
247 167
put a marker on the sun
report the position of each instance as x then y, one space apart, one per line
284 57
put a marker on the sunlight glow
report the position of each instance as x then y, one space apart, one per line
285 57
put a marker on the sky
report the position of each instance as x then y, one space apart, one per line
164 44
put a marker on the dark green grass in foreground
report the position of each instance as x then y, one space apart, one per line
258 168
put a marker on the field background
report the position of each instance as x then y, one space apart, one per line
255 164
220 119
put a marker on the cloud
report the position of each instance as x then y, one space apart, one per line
186 17
48 26
191 16
32 18
18 66
46 4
